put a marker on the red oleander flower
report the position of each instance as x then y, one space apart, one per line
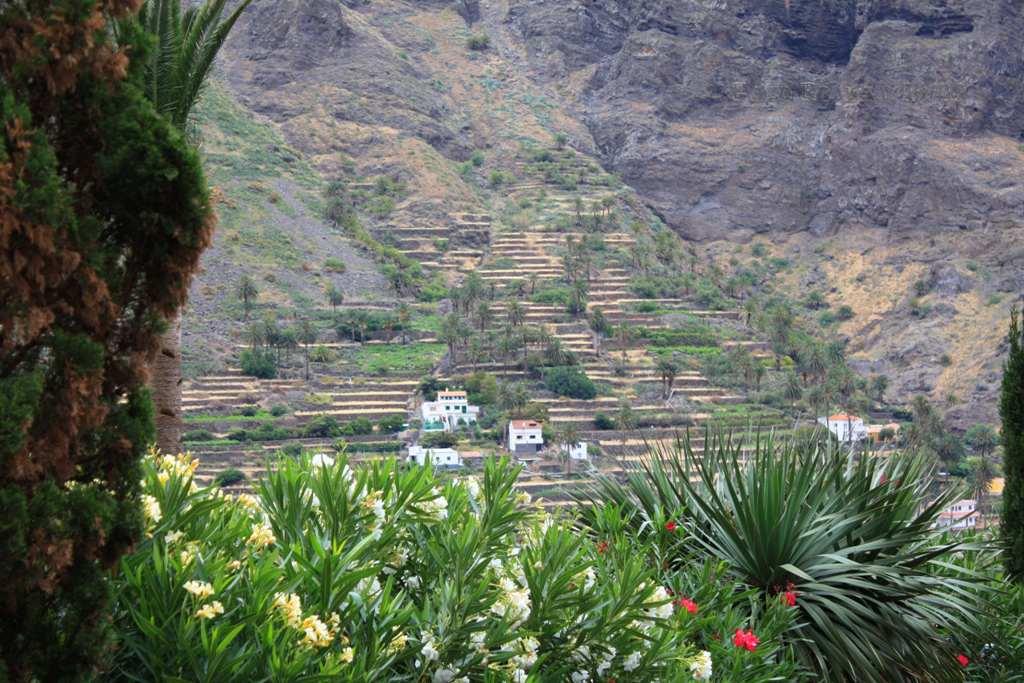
790 598
602 547
745 639
671 526
687 604
962 658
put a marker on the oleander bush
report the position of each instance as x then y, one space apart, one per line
388 574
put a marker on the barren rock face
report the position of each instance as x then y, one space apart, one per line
740 116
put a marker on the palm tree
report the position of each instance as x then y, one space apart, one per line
668 369
247 292
306 334
334 296
404 316
567 436
186 45
516 314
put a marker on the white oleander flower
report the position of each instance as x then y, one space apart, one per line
581 676
664 610
322 460
632 662
700 667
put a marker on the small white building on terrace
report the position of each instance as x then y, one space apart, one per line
450 411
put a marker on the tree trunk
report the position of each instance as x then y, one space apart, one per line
165 384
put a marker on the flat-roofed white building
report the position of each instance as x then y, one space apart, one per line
525 436
450 411
438 457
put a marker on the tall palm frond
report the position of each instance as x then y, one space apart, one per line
879 598
187 45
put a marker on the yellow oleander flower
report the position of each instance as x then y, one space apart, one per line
151 509
163 477
262 536
247 501
290 607
210 610
347 655
234 565
173 537
397 643
200 589
187 555
315 632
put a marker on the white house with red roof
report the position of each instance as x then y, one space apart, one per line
450 411
525 436
847 428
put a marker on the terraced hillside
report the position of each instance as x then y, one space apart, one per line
407 201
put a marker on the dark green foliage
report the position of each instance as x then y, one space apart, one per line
198 435
569 381
360 425
478 42
104 213
323 426
264 432
439 440
229 477
261 363
689 333
844 313
603 422
875 588
391 424
552 294
1011 411
481 389
429 386
278 410
248 411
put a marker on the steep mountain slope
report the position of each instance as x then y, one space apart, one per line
877 144
874 144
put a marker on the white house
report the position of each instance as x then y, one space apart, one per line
525 436
438 457
450 411
847 428
576 451
959 516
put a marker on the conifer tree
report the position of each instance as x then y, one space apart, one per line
1011 410
104 212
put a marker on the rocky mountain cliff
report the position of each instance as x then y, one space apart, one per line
877 145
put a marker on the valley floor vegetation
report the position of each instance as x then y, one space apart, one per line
799 565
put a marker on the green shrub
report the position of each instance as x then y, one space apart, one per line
278 410
603 421
291 450
249 411
198 435
552 294
260 363
229 477
477 158
439 440
360 425
569 381
391 424
334 265
322 427
844 313
478 42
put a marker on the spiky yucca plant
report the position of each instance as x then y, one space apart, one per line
852 539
